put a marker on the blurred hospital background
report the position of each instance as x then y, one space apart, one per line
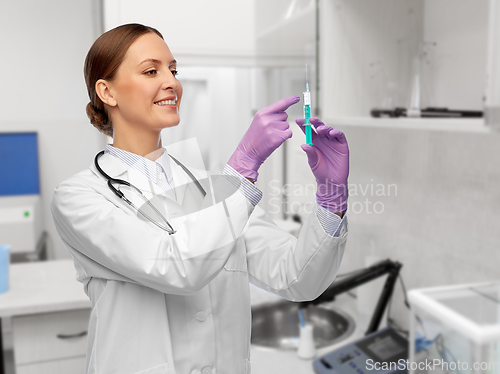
424 188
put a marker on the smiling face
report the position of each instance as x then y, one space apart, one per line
144 92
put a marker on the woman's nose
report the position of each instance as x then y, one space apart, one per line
170 82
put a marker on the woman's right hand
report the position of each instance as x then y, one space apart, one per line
328 158
268 130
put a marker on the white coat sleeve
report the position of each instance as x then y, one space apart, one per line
295 269
103 236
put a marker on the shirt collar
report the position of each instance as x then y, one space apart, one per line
142 164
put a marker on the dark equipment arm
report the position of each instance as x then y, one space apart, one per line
361 277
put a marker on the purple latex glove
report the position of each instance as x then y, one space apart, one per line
328 158
268 130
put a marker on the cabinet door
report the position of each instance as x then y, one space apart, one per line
70 366
50 336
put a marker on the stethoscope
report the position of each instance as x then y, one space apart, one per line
120 194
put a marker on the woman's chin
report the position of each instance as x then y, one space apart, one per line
171 122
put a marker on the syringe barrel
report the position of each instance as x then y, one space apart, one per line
307 97
307 107
307 114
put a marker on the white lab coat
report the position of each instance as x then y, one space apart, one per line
162 305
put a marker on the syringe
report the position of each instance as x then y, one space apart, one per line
307 111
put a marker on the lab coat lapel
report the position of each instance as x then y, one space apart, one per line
161 200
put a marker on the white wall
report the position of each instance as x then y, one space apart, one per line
44 45
285 32
198 32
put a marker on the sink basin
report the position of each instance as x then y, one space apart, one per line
277 325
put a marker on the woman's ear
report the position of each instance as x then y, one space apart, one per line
102 90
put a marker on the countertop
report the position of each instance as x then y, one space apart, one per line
41 287
270 361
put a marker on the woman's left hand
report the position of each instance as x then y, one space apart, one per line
328 158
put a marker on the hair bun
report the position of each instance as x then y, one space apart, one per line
100 120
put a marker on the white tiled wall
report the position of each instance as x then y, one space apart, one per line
443 224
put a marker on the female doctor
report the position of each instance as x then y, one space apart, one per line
174 297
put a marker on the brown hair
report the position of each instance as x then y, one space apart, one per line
102 62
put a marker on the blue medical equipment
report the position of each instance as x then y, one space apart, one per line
4 268
19 170
21 224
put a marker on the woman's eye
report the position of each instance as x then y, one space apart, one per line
151 72
174 72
